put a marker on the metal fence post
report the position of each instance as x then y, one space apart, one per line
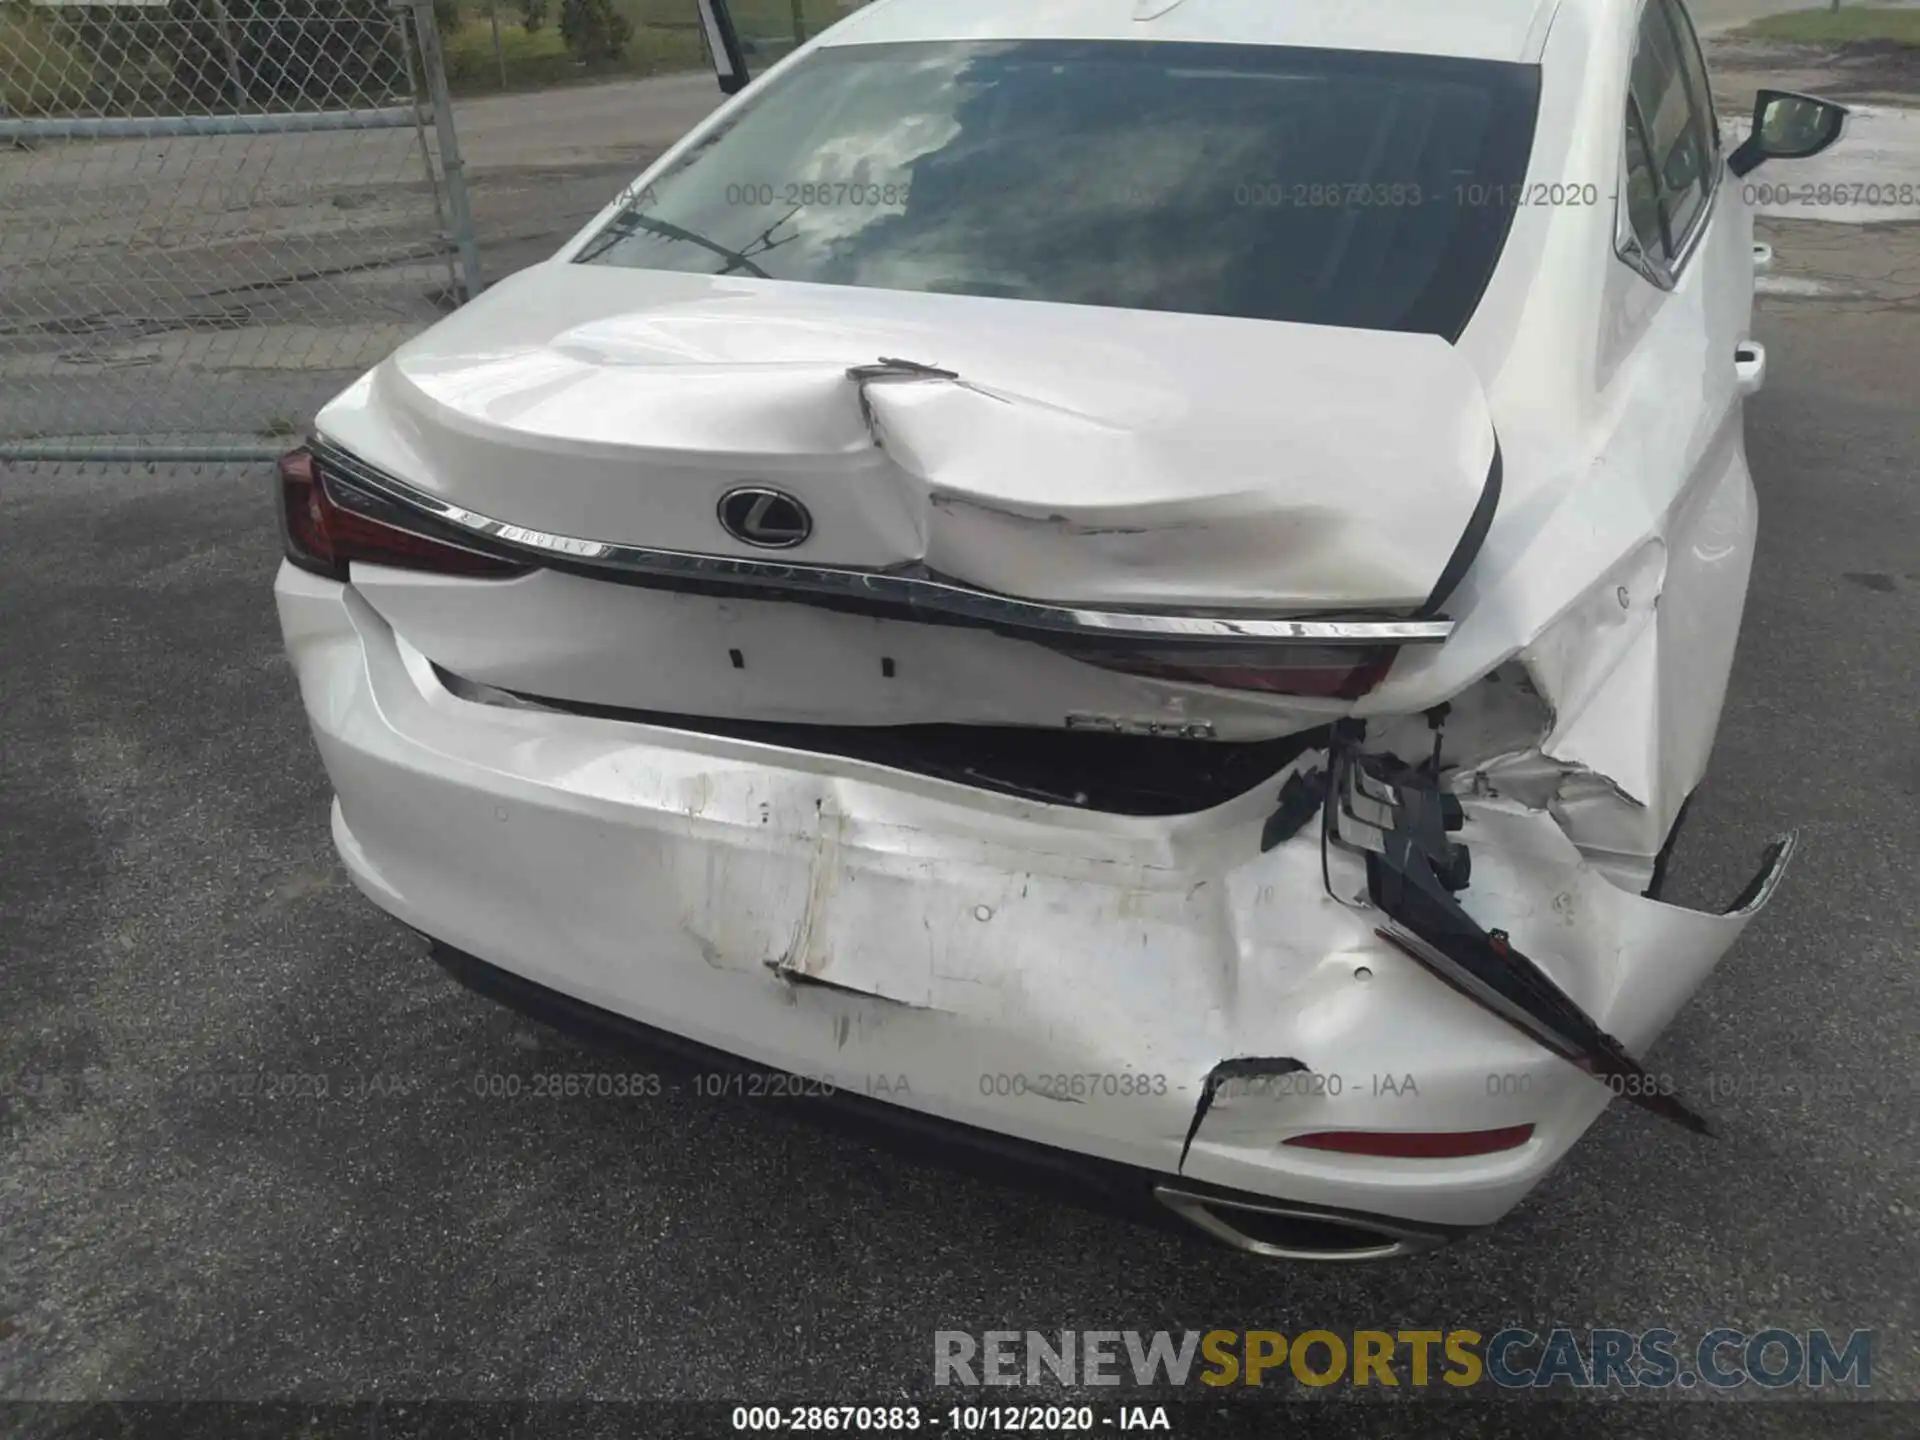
460 210
499 54
224 25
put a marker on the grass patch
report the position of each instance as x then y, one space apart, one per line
666 37
39 73
752 17
1837 27
537 60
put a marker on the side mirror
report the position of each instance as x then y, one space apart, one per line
723 44
1787 126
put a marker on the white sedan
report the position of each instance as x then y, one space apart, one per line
1134 587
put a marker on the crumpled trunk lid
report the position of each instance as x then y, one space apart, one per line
1083 454
1137 462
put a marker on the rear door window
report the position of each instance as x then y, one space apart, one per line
1673 116
1643 192
1699 85
1331 187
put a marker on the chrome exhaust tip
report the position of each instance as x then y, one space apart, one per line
1278 1231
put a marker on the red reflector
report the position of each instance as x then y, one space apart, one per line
323 536
1416 1144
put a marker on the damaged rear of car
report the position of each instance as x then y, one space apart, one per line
974 585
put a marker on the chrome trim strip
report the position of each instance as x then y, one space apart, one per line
927 596
1199 1211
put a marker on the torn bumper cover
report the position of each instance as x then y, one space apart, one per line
1399 819
1059 978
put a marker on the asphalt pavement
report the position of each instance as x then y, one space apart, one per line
250 1144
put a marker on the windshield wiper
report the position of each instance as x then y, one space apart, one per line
621 226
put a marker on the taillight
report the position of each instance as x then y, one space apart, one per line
1325 672
322 536
1416 1144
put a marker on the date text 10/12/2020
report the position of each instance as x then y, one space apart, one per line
953 1419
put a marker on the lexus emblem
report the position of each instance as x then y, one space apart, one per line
770 519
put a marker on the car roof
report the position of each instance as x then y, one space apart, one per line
1478 29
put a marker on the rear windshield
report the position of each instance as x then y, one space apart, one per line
1325 186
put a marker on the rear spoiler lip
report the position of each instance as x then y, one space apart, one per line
915 595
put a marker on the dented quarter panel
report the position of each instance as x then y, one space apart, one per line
1617 571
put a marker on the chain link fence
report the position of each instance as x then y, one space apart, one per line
214 214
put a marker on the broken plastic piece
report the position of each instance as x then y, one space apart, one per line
1413 871
1437 723
793 975
1247 1067
1300 799
889 368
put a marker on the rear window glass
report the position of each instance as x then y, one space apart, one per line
1330 187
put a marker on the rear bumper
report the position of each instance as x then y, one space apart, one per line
1249 1222
1062 979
